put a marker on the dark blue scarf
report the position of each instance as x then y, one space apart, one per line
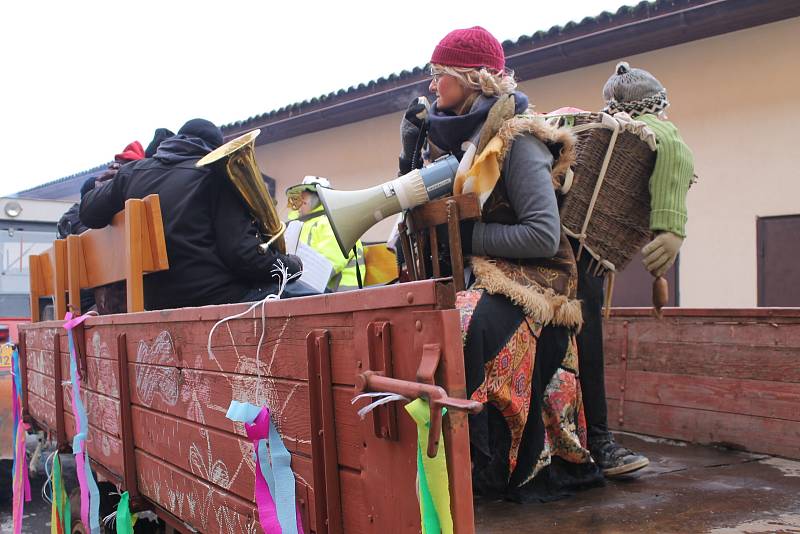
448 131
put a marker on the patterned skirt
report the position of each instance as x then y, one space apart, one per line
529 443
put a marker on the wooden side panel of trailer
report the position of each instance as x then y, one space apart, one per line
196 467
729 377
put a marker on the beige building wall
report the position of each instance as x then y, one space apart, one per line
734 99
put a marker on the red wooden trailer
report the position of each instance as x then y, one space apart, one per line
157 401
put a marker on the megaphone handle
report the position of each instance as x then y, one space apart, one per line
358 268
423 133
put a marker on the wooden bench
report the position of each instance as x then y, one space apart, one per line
48 278
130 247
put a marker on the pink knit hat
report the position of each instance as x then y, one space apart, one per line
471 47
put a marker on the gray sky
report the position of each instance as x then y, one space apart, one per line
83 79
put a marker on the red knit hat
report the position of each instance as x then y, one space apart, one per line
132 152
472 47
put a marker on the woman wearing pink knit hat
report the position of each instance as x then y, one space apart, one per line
519 314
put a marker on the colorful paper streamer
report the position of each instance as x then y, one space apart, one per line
60 513
275 484
433 482
90 494
124 518
20 484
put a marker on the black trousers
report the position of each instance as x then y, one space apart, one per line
590 350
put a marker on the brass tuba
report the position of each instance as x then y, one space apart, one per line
243 172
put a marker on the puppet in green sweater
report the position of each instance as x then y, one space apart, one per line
639 94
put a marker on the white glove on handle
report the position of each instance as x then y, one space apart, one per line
660 253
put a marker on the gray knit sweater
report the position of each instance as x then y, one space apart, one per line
527 179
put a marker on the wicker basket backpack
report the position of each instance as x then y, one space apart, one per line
606 203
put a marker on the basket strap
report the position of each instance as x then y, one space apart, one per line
569 177
611 124
601 262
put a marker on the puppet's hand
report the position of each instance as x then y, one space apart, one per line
660 253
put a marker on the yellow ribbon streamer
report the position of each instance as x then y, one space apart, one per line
433 482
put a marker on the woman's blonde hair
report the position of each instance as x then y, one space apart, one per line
487 82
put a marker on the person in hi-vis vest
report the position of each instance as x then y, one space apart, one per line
317 233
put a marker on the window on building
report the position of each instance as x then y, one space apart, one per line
778 260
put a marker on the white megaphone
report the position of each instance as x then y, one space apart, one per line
352 213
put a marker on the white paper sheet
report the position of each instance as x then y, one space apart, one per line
317 269
292 236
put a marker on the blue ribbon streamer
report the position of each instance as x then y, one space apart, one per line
274 460
80 438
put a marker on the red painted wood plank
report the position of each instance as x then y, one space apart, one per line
42 411
103 448
423 293
42 386
203 397
756 434
735 331
775 400
41 360
102 342
216 457
713 360
758 313
101 376
234 346
40 335
102 411
200 505
211 510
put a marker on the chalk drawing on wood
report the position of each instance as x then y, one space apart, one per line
154 378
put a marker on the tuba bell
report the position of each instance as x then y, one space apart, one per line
242 170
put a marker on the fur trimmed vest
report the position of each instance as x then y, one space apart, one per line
544 287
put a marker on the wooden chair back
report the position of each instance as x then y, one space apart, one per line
48 278
419 230
130 247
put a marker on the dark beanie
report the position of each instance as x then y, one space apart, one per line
87 186
160 135
205 130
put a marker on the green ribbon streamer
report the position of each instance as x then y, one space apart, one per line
433 482
61 509
124 519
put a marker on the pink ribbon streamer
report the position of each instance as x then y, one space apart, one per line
21 484
259 432
90 497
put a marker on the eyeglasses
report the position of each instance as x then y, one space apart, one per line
436 75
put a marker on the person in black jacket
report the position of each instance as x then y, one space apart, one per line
212 243
70 222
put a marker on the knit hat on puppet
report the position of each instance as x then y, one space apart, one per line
634 91
132 152
471 47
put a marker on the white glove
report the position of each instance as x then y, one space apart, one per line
660 253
